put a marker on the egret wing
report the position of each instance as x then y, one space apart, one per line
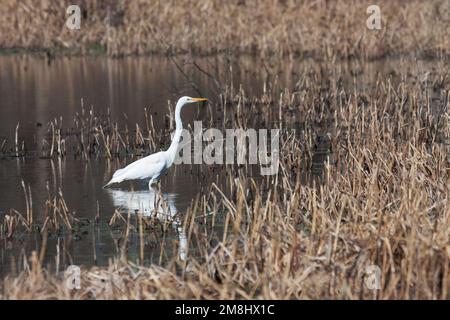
144 168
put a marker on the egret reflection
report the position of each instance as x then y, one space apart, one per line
152 203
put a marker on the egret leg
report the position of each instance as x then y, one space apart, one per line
150 184
158 185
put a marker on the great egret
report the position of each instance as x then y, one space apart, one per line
154 165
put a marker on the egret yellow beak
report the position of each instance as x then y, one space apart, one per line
199 99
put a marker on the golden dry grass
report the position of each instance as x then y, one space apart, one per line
322 29
382 199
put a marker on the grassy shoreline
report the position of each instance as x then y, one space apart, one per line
321 29
383 193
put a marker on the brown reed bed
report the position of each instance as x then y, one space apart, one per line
380 197
56 217
321 29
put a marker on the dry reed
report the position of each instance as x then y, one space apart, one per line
380 197
322 29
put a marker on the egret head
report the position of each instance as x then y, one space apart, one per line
186 99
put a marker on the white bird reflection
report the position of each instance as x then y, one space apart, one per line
152 203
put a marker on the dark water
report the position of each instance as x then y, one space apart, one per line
34 91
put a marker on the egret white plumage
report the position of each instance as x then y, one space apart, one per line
155 165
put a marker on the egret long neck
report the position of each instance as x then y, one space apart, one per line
178 124
178 129
175 141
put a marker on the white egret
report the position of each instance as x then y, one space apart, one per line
155 165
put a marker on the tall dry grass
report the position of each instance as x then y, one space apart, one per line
322 29
381 198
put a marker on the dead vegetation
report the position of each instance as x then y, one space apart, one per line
321 29
380 197
56 217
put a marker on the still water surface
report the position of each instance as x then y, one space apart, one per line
34 91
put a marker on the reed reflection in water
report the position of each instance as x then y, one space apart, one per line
152 203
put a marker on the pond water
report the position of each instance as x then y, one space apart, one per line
34 91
